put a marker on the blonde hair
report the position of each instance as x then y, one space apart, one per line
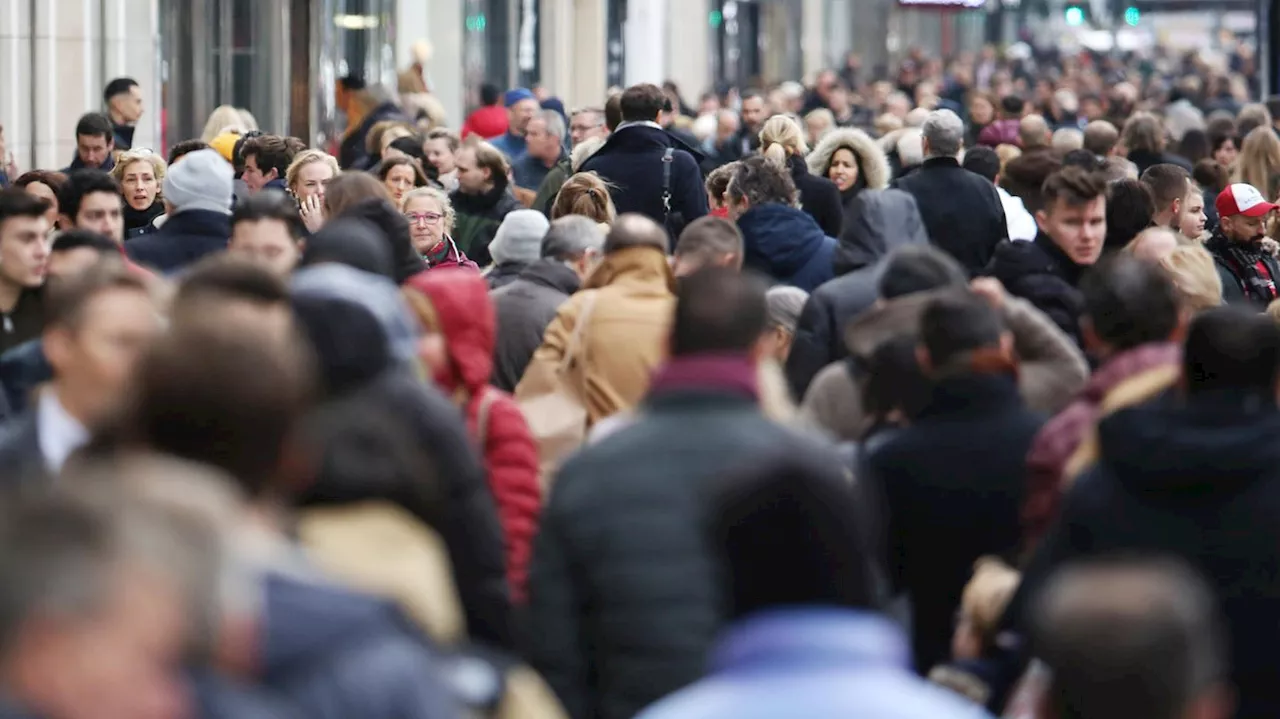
128 157
986 596
449 136
1143 131
1193 273
583 151
1259 161
304 158
886 123
1006 153
224 118
374 141
250 122
780 138
587 195
1273 311
823 115
432 193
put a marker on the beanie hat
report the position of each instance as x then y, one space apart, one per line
784 305
349 241
225 144
201 181
516 95
519 238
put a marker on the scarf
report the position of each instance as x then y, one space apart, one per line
134 219
1242 260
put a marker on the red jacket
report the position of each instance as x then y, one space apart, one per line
460 298
487 122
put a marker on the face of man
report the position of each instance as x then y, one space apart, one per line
94 149
24 251
520 114
472 179
542 144
266 242
1077 229
1245 230
753 113
586 125
128 105
254 178
726 127
102 213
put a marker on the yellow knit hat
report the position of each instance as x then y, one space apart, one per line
225 144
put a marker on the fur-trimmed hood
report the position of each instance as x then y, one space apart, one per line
872 162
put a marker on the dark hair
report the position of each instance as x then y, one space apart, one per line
1167 182
489 94
225 277
18 203
1083 159
53 180
1012 105
710 238
1024 177
273 152
718 310
1231 348
956 323
351 82
982 160
759 181
412 146
270 206
75 239
384 168
642 103
1273 105
1073 185
891 380
118 86
68 297
186 147
1216 141
81 184
351 188
613 112
1195 145
919 268
635 230
96 124
1130 208
1210 175
1130 302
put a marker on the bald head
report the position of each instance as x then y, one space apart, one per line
1153 244
1033 131
635 230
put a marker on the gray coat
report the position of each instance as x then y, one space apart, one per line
524 308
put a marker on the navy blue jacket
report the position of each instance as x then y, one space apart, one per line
961 210
77 164
184 239
22 369
787 245
631 161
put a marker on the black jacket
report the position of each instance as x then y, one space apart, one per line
952 485
524 308
1144 160
22 369
139 222
21 461
1043 275
1199 480
1235 286
478 219
25 322
631 161
503 274
818 196
183 240
876 222
961 210
352 154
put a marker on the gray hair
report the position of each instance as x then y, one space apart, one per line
784 306
555 123
570 237
944 131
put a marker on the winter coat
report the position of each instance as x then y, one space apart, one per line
139 222
1235 287
352 153
1042 274
487 122
77 164
25 322
396 234
186 238
1001 132
22 369
529 171
461 302
624 596
818 663
787 245
478 219
515 147
876 223
952 484
818 196
961 210
1144 159
631 161
524 309
551 185
503 274
123 136
1197 479
873 166
1062 436
631 296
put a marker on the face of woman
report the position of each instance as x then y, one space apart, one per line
46 193
981 112
400 179
439 154
426 223
817 127
843 170
1193 219
1226 153
139 184
312 180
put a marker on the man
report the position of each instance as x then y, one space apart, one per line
266 229
754 112
780 240
76 250
91 200
1047 272
624 602
123 98
708 242
100 322
266 158
24 256
197 199
650 172
1034 134
961 211
526 306
1161 487
952 480
544 137
521 107
1248 272
725 145
95 143
1169 185
984 161
584 124
1102 139
1127 638
490 119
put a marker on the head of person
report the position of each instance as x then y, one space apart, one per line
1259 160
1243 213
727 124
1195 275
1194 219
635 234
99 322
1033 133
784 305
911 269
1130 209
95 139
75 251
384 133
518 240
720 310
203 181
267 158
1225 147
959 330
1152 244
442 148
1101 138
1143 132
1251 117
587 195
350 189
123 98
184 148
225 119
1128 303
755 110
708 242
1231 350
1130 637
267 229
430 216
45 184
759 181
310 174
780 138
399 175
575 241
1067 139
818 123
642 103
1011 107
521 107
481 168
613 111
717 185
24 244
982 160
943 133
545 136
140 175
236 287
1075 214
90 200
1169 185
490 94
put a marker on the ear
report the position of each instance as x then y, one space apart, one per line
1042 218
1177 207
56 343
64 220
272 175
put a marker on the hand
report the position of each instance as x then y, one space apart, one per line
1270 246
312 211
989 289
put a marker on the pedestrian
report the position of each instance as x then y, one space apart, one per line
782 142
482 200
489 121
521 106
140 174
1169 185
544 139
1248 271
1004 131
852 160
1195 276
1259 162
400 175
359 195
584 124
780 241
1194 220
984 161
442 148
368 105
431 219
517 245
266 229
123 100
266 161
44 184
1144 137
198 193
95 144
587 195
1130 207
24 255
708 242
785 304
307 179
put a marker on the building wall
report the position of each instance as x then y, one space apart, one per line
440 23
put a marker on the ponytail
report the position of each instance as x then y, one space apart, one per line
776 154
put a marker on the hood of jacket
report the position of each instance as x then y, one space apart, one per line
552 274
877 222
873 165
638 138
460 298
643 268
375 293
778 238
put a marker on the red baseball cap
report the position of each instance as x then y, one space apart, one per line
1242 199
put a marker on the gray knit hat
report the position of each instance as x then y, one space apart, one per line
785 304
202 180
519 238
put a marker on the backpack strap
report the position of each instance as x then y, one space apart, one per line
487 398
668 158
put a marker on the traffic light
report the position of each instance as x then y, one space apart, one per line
1075 15
1131 16
715 18
476 23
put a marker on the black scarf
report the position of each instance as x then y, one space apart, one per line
1242 259
133 219
481 204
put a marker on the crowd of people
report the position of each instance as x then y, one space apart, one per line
942 396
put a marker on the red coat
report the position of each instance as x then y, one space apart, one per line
487 122
460 298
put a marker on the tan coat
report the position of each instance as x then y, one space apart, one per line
625 338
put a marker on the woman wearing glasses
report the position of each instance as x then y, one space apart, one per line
140 174
430 216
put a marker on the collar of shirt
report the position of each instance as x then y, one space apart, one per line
58 432
642 123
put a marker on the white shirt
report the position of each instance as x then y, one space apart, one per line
58 432
1022 226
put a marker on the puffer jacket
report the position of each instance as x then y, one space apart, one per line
478 219
786 244
460 299
1042 274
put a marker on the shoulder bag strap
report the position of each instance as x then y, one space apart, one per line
668 157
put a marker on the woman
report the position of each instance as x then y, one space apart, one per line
482 200
431 219
140 174
783 144
1195 146
1225 147
223 119
307 179
852 160
359 195
399 175
982 112
460 326
1259 162
442 150
45 184
1193 220
587 195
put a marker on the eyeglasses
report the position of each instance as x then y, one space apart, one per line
427 218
